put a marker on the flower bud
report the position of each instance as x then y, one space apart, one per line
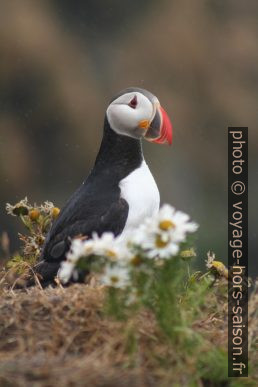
34 214
55 212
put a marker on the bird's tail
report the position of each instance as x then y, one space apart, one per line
45 272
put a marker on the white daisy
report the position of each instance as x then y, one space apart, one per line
77 250
162 234
116 276
105 245
66 271
176 223
139 235
158 247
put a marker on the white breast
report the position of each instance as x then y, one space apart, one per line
142 195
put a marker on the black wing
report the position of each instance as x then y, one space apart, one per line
111 219
84 214
54 251
95 207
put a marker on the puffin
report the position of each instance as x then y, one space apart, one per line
120 190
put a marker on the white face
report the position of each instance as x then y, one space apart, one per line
130 113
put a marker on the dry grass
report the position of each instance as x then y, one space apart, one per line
62 336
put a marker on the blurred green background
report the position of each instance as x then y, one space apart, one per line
61 62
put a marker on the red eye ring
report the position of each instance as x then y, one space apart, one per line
133 102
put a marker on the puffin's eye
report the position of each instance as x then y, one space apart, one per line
133 102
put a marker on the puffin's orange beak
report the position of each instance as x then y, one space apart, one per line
160 129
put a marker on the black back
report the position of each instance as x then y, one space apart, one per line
96 206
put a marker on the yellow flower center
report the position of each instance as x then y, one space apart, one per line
136 260
160 243
114 279
110 253
166 225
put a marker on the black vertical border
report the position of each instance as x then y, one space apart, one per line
238 266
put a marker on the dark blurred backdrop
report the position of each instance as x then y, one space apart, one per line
61 62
